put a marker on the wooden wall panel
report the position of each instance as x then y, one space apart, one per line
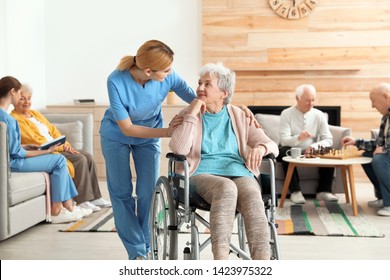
342 48
354 55
325 39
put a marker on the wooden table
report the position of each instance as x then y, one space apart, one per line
345 165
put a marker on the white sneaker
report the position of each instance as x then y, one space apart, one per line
83 211
297 198
89 205
65 216
101 202
385 211
326 196
375 203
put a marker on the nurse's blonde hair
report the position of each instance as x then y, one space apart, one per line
153 55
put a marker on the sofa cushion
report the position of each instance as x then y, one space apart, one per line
338 133
73 132
25 185
270 124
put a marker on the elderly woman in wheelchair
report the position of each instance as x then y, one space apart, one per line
224 151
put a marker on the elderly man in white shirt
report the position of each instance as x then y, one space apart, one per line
306 127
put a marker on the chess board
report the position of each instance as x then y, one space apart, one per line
327 152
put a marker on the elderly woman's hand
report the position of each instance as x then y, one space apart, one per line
69 149
254 157
197 106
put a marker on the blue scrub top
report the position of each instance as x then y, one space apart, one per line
16 151
142 104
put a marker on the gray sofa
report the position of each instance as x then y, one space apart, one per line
308 176
22 195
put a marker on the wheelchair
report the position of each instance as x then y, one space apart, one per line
173 206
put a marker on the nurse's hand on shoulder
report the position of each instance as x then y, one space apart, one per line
249 114
175 122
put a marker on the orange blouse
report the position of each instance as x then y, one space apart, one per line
30 133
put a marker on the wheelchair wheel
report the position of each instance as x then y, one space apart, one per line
163 222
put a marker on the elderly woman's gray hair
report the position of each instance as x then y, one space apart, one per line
27 88
226 78
301 89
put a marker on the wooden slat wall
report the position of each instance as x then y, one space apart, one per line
342 48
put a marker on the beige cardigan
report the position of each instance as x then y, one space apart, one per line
186 139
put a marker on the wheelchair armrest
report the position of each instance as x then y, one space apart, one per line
270 155
176 157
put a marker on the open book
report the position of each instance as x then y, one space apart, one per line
53 142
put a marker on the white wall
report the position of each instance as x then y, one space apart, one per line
22 48
2 37
66 49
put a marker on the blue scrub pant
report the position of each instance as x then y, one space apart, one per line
133 229
62 187
381 166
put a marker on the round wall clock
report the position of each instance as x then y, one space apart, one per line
293 9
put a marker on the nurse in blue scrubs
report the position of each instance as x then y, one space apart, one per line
132 125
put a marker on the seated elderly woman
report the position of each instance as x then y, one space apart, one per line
224 151
36 129
26 158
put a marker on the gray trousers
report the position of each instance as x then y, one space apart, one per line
85 178
226 195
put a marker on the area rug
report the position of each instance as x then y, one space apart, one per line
323 219
101 221
313 218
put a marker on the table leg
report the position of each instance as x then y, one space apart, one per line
286 184
352 187
345 183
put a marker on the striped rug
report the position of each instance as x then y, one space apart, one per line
323 219
101 221
312 218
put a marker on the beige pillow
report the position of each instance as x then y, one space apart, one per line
73 132
270 124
